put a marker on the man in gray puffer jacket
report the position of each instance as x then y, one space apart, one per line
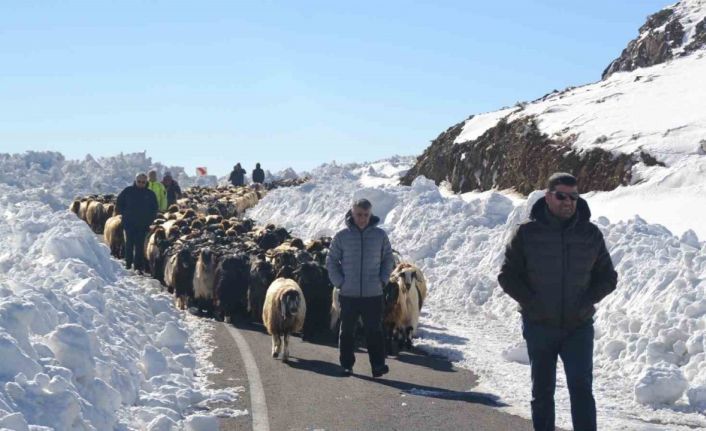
557 267
359 263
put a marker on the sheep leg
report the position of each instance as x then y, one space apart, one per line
285 354
275 345
408 337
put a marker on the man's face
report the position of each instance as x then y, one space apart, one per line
153 176
562 201
361 217
141 181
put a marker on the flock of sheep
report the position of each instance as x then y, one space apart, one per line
219 263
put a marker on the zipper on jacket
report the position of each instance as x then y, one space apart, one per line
361 263
563 278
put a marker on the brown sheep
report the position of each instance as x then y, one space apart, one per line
96 216
75 205
114 236
83 208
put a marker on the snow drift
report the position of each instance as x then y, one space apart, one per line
84 344
650 333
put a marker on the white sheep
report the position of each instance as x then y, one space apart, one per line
412 292
204 279
283 313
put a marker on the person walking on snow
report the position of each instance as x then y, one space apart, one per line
138 206
557 268
359 263
158 189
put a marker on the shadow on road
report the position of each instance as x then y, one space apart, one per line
441 393
422 359
316 366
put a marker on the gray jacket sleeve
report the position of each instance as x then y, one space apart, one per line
388 263
333 262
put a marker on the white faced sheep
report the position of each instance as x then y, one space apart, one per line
204 280
284 313
404 297
155 253
179 276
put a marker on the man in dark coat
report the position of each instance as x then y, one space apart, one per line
138 206
258 175
237 176
557 268
359 263
173 189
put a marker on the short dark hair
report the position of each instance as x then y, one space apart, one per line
562 178
362 203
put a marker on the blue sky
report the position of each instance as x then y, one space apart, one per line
287 83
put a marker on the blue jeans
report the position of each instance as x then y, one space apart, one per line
544 345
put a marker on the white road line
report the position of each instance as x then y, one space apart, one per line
258 404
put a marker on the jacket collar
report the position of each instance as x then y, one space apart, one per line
374 220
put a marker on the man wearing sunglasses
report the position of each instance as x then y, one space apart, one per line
557 268
138 206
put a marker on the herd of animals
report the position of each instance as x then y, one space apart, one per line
218 263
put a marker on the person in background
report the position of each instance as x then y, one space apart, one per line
258 175
172 187
158 189
138 206
237 176
557 267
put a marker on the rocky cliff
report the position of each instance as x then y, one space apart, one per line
599 132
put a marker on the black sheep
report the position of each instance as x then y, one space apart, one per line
261 276
268 241
231 286
317 292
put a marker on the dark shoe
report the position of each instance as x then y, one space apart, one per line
380 371
347 372
128 265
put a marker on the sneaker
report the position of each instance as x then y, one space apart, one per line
128 265
377 372
347 372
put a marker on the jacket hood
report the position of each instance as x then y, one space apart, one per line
374 220
583 212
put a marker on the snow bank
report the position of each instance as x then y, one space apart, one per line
650 333
85 345
49 174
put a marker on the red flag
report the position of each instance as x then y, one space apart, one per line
201 171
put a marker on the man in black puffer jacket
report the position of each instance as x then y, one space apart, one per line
138 206
557 267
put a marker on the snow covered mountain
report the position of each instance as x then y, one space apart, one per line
638 134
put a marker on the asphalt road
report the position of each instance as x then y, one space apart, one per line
421 392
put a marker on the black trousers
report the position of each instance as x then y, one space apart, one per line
575 347
370 309
135 247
